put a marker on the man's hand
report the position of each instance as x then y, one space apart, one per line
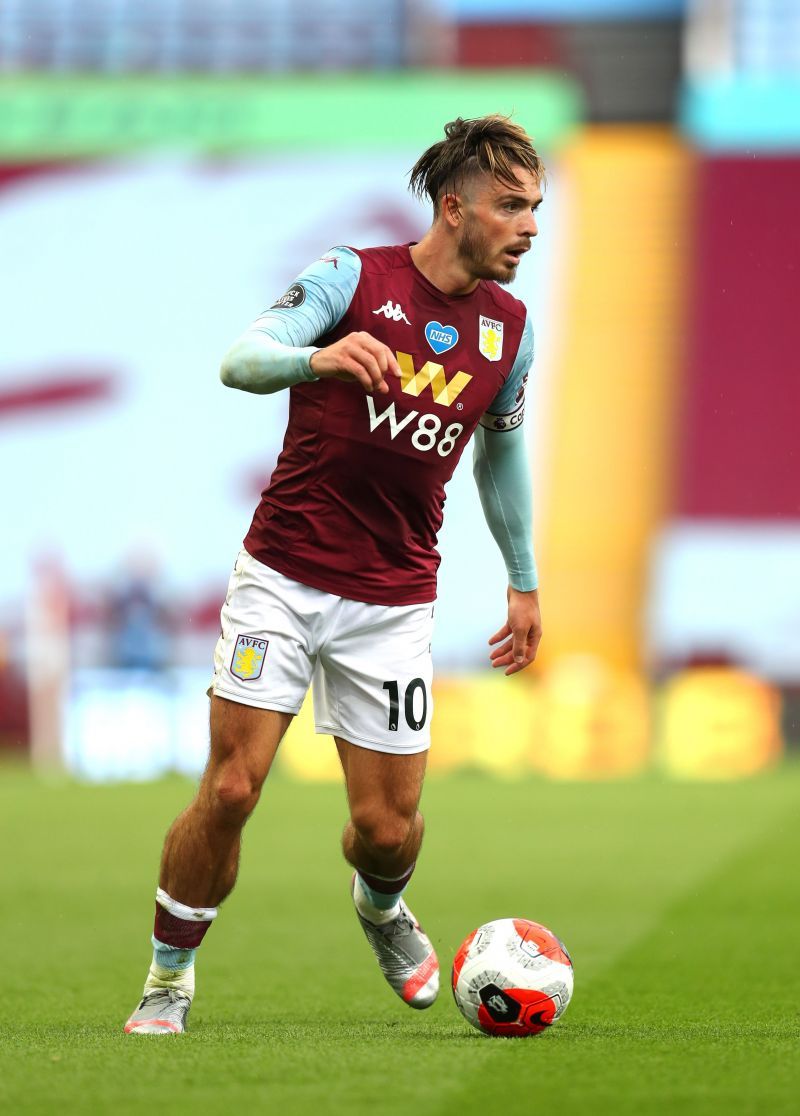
360 357
515 645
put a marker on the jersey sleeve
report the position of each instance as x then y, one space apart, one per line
508 406
502 474
316 301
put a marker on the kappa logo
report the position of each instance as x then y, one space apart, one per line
430 375
249 653
392 312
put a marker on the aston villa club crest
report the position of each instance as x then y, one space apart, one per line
248 658
490 337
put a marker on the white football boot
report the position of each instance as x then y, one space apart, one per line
161 1012
405 955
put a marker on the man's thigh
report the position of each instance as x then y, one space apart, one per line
372 683
244 738
382 782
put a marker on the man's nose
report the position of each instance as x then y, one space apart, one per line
530 228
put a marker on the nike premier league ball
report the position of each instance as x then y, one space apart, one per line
512 977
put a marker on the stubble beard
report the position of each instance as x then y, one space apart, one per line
474 252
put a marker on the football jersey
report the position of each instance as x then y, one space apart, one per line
356 499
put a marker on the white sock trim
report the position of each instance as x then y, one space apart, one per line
379 916
180 910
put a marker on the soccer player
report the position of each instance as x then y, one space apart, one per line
394 357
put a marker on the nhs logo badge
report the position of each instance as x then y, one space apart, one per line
490 337
441 337
248 658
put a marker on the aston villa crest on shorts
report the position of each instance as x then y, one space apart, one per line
490 337
248 658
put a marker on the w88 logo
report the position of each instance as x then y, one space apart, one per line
427 434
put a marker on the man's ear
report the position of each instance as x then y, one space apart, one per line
451 210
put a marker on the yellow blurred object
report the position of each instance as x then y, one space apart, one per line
608 464
305 755
719 723
594 721
452 725
583 720
484 720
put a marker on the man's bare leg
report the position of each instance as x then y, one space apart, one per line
384 833
382 840
200 860
201 853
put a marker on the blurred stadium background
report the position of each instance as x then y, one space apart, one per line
166 168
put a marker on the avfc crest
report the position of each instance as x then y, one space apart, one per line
248 658
490 337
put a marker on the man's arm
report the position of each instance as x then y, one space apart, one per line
502 474
278 350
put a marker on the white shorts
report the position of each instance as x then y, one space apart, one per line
370 664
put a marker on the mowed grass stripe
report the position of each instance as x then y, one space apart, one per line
291 1011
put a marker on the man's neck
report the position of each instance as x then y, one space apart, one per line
435 257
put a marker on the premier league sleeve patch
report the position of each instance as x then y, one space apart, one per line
248 657
295 296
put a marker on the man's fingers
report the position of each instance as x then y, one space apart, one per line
382 353
504 633
516 652
355 369
358 356
519 643
373 370
364 367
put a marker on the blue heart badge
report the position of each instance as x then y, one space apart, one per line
441 337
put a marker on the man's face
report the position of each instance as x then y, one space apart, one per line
499 222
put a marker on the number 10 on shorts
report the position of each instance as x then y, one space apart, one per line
411 704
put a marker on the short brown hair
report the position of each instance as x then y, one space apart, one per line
487 144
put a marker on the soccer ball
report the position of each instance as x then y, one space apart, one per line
512 977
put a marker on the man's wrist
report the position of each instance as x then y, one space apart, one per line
311 354
524 586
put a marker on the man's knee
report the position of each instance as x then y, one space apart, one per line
232 791
243 743
382 832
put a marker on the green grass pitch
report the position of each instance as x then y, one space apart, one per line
679 903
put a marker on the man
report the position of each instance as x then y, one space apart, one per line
393 357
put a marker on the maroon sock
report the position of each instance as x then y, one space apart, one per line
183 933
384 886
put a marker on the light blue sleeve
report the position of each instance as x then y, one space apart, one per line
275 352
508 406
316 301
502 472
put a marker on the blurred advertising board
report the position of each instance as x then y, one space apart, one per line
59 117
580 721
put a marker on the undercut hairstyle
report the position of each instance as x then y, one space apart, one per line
490 145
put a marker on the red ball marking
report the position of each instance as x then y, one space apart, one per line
537 1014
544 940
461 957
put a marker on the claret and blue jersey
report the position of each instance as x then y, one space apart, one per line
355 502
